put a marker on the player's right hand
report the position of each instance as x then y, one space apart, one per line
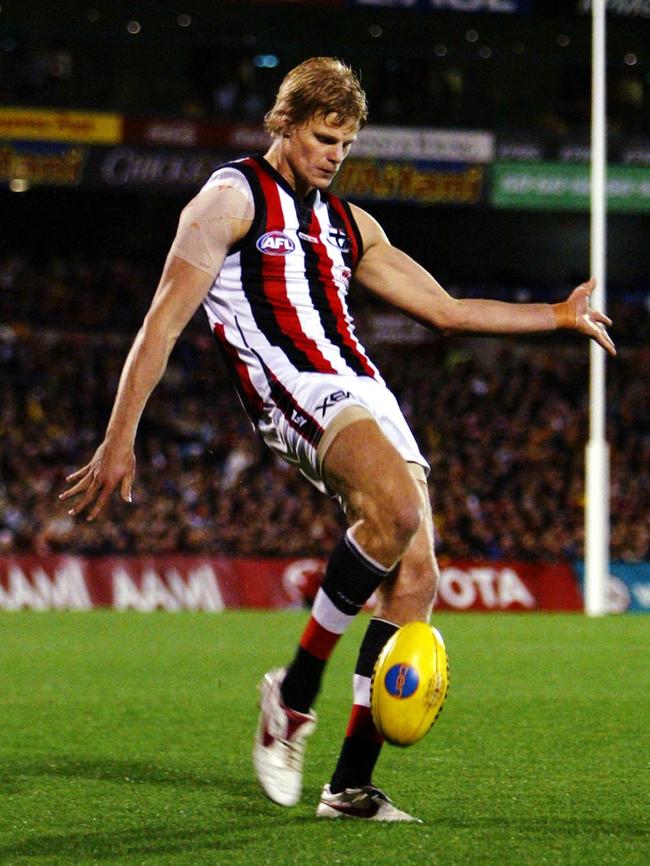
577 314
96 481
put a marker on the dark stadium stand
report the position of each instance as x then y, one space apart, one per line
503 422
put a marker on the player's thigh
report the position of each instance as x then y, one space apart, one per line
370 475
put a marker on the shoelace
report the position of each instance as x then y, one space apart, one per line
368 794
294 752
371 792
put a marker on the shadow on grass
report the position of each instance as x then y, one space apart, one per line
150 839
13 776
241 814
238 833
240 811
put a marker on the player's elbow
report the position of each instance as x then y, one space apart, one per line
447 316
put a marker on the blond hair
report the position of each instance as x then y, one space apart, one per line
320 86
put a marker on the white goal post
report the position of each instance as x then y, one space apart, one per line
597 452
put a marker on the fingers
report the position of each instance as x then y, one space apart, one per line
95 482
78 488
78 474
592 322
93 490
603 339
606 341
597 331
100 503
125 488
90 487
590 285
601 318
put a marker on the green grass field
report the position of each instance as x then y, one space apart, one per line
126 739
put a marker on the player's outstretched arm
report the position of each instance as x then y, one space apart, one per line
181 290
211 223
398 279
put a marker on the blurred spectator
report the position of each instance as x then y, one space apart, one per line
228 85
35 71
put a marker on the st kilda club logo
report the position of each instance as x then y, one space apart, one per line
340 239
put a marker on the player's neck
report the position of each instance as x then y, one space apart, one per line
276 158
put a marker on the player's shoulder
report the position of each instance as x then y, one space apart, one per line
370 229
227 191
230 175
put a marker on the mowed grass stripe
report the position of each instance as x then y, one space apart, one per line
126 739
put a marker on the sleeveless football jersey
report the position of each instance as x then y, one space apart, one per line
278 305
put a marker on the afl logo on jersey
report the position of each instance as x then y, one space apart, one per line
275 244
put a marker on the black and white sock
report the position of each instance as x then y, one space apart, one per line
351 578
363 742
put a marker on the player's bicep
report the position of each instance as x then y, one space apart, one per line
395 277
382 268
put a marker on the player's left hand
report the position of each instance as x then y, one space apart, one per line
577 313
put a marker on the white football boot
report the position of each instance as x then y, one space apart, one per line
280 742
367 803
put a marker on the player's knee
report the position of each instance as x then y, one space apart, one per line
408 519
402 518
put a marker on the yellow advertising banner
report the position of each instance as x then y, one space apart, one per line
419 182
38 124
42 163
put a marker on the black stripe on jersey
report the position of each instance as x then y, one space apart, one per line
307 426
355 228
318 294
251 276
298 417
252 407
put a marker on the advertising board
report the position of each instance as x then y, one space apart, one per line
60 582
560 186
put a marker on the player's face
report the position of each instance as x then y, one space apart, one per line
314 152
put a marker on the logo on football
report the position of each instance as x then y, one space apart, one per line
409 684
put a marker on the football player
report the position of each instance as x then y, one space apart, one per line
271 256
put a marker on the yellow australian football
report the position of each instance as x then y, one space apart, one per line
409 683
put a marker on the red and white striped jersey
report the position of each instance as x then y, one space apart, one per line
278 305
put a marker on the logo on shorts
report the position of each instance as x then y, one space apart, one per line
298 418
275 244
331 400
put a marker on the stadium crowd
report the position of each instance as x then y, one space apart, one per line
502 422
451 82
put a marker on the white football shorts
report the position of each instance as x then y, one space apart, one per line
301 422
